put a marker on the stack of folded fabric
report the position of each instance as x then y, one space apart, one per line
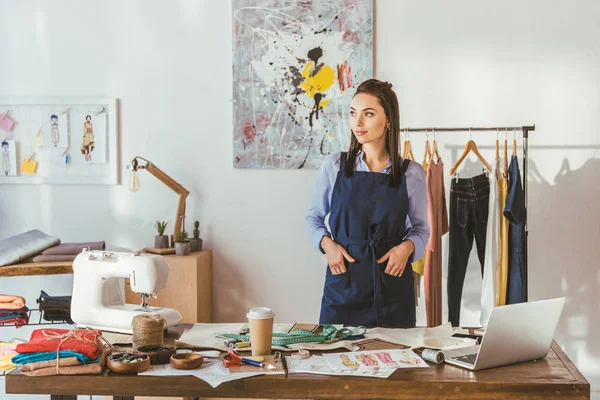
13 310
62 352
55 308
7 352
66 251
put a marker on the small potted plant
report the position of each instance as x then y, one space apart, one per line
182 244
196 242
161 241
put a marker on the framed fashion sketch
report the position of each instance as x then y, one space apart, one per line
68 140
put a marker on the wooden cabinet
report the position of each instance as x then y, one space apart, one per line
189 289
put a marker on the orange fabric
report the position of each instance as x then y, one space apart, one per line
8 302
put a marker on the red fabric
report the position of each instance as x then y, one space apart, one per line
19 322
44 340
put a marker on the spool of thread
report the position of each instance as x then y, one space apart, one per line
148 330
435 356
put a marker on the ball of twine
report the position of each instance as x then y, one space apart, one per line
148 330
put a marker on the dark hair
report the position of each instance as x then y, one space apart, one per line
4 142
54 116
88 116
388 100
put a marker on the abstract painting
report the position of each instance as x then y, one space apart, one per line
296 65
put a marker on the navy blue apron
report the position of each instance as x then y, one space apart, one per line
368 218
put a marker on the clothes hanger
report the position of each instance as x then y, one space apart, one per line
427 150
515 143
408 154
434 148
497 147
505 174
470 146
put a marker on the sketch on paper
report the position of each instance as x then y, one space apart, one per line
93 139
58 129
9 158
88 138
367 360
295 68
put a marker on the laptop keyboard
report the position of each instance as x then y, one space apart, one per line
468 359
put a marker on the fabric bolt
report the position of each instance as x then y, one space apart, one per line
10 302
469 202
17 321
492 248
516 214
53 258
19 247
62 362
438 223
26 358
93 368
368 227
502 272
22 310
73 248
83 341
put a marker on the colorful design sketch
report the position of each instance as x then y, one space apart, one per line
348 362
386 358
318 365
369 360
295 68
8 154
88 138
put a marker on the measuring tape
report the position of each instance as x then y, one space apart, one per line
330 334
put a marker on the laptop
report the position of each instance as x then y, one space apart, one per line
515 333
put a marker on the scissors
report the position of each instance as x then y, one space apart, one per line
233 359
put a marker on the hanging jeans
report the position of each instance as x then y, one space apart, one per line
469 203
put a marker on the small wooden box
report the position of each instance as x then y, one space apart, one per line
189 289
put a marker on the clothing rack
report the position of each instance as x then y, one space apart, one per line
525 130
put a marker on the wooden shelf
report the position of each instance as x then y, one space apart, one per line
39 268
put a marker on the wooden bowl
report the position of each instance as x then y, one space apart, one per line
186 360
116 364
158 354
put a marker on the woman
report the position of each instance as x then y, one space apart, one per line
88 139
377 206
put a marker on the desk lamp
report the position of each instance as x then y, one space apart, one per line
134 186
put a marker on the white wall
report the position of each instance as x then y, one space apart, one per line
479 63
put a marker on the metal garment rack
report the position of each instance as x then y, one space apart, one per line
525 130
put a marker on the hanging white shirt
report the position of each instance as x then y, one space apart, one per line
492 249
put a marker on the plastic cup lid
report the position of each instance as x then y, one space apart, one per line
260 313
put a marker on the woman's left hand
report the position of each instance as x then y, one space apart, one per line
397 258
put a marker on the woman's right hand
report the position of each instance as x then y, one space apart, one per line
335 255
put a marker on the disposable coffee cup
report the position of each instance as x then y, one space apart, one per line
260 321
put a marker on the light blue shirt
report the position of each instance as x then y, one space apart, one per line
319 207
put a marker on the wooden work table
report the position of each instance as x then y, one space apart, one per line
552 377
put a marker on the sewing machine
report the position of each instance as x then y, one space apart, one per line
98 294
